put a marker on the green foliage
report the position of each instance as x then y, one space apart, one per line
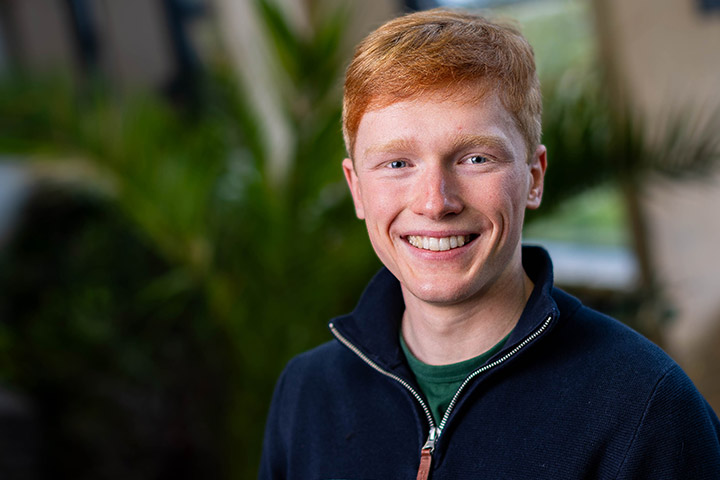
170 292
123 380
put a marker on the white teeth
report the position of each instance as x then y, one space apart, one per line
438 244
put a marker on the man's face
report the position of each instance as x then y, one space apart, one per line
442 185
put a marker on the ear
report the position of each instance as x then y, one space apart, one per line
537 165
352 180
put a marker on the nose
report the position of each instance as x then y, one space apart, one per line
435 193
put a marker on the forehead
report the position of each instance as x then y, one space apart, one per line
436 119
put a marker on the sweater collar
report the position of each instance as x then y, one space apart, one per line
374 324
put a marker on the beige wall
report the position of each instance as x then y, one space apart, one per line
44 39
665 55
666 52
133 34
132 37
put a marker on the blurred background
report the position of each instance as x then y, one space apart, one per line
174 225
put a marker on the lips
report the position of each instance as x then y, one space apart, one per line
438 244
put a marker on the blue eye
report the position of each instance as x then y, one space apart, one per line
477 159
397 164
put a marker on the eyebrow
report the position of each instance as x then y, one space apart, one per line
461 142
396 145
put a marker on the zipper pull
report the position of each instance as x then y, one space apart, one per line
426 455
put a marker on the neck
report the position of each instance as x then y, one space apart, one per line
445 334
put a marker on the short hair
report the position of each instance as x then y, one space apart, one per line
433 50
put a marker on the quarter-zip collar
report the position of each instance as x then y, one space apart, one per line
374 324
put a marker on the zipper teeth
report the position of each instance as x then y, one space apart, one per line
487 367
474 374
379 369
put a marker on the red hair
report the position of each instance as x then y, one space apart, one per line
437 50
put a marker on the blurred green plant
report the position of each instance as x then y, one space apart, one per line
155 315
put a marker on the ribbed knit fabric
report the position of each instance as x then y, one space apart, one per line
582 397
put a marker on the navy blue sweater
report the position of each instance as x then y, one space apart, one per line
573 394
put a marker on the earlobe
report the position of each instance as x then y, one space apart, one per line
352 181
538 165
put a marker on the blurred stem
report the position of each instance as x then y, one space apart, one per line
649 314
639 232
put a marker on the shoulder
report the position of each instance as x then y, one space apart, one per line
312 366
607 340
320 374
677 436
606 363
303 385
661 425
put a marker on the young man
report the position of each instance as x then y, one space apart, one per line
461 360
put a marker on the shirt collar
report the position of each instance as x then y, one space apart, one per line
374 324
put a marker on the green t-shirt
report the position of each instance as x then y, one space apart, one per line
440 382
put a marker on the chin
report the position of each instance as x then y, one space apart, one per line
442 294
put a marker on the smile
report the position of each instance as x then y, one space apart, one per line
438 244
